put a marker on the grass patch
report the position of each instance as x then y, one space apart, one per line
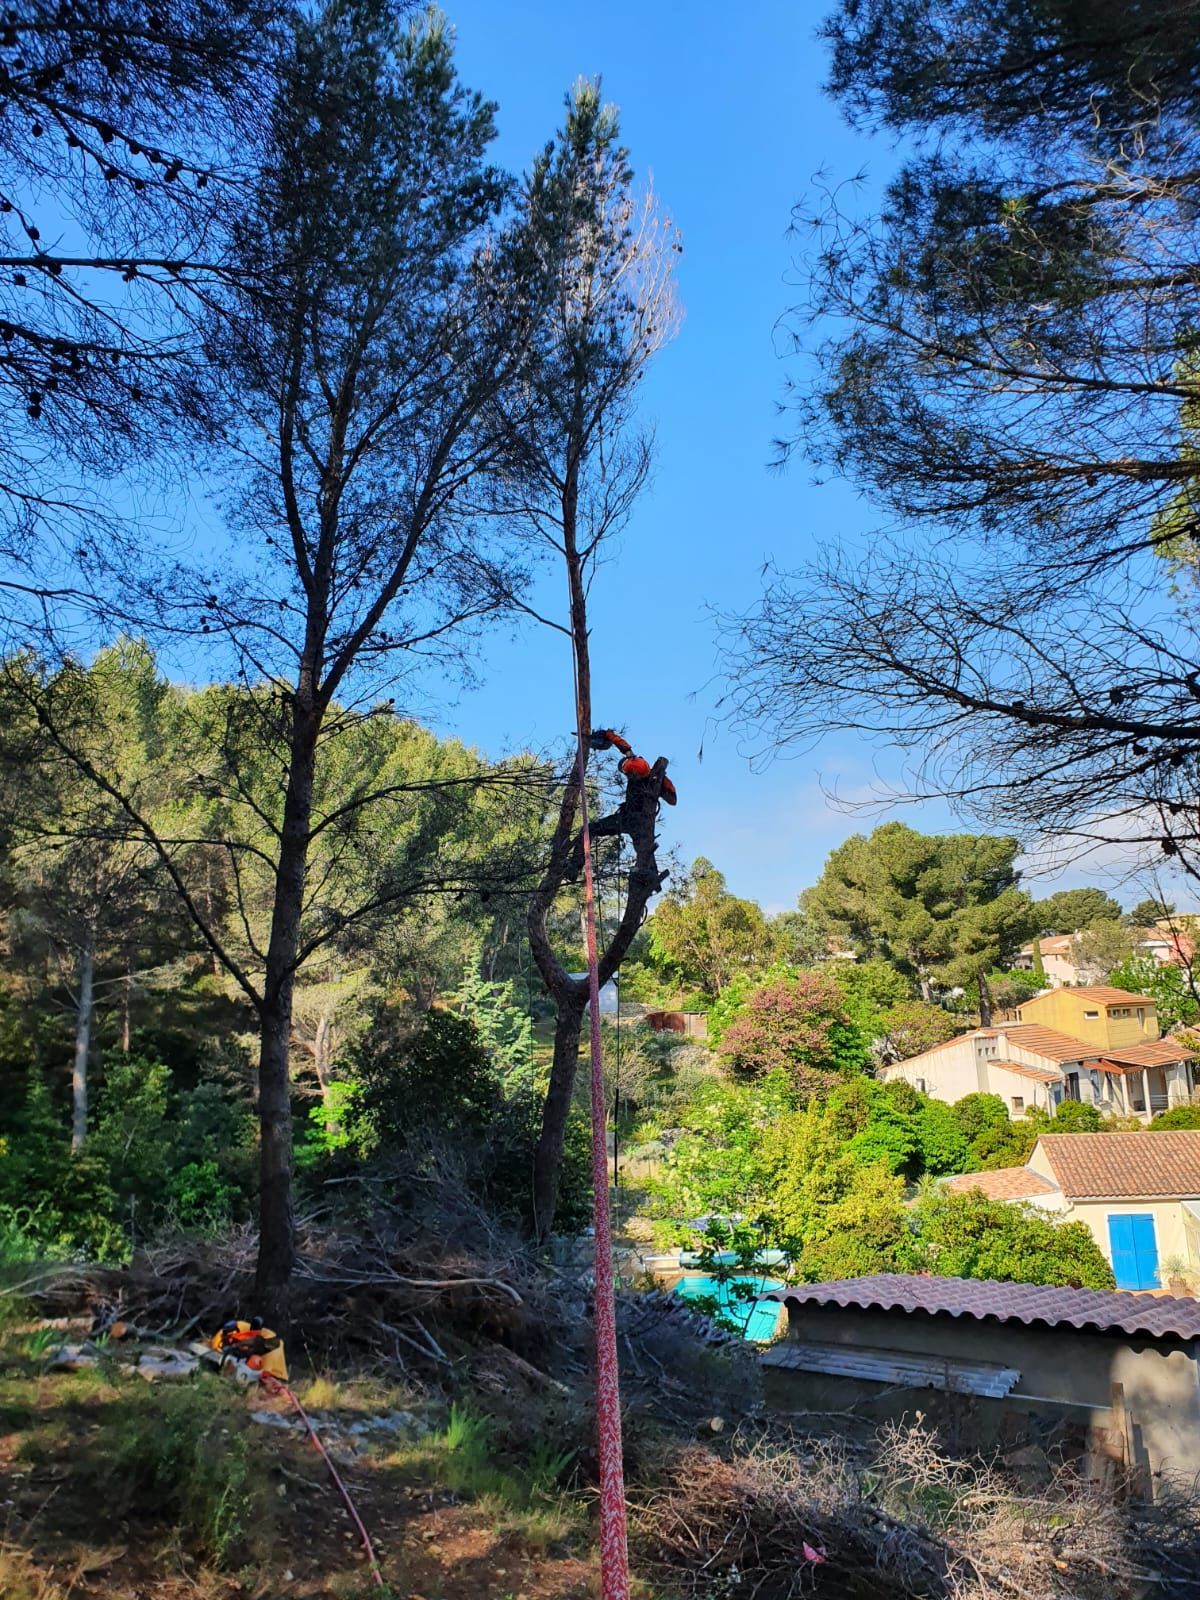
20 1579
365 1395
180 1455
321 1393
526 1499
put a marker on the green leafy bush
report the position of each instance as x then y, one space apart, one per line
1179 1117
969 1236
975 1113
1074 1116
943 1145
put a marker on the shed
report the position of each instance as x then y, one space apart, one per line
1104 1378
694 1024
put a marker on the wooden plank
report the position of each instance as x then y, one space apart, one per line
896 1368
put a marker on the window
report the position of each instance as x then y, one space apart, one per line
1119 1011
1141 1011
1018 1105
1091 1016
920 1086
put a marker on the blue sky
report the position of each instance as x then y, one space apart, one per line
727 117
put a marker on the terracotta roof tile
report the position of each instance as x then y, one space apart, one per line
1132 1166
1054 944
1103 1309
1049 1042
1060 1047
1022 1071
1153 1053
1003 1183
1108 996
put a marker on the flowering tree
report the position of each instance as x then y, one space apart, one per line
798 1024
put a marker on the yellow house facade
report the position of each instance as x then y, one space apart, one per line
1100 1016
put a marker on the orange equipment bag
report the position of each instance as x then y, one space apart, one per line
258 1347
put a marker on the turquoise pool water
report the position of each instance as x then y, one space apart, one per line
761 1318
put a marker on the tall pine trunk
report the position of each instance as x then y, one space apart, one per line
985 1002
276 1218
547 1164
127 1004
83 1038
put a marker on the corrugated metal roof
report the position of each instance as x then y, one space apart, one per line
900 1368
1125 1166
1102 1309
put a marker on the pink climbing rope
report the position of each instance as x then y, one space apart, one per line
614 1547
277 1386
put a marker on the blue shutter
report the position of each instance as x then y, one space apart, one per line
1134 1251
1146 1246
1124 1257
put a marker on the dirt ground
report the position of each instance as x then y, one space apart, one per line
432 1542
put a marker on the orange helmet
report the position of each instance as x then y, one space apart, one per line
635 767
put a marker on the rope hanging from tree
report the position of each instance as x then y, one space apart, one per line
614 1543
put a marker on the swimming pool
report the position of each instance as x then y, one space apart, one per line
760 1319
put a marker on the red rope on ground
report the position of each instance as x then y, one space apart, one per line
274 1384
614 1550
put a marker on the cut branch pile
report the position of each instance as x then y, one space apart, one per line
772 1520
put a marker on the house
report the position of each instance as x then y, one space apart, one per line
1129 1045
1166 943
1111 1381
1098 1045
1058 959
1169 942
1095 1013
1138 1193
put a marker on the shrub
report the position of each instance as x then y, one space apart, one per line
182 1455
1009 1146
721 1163
911 1026
1073 1116
943 1145
969 1236
800 1026
1177 1117
439 1076
875 1129
976 1112
200 1198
